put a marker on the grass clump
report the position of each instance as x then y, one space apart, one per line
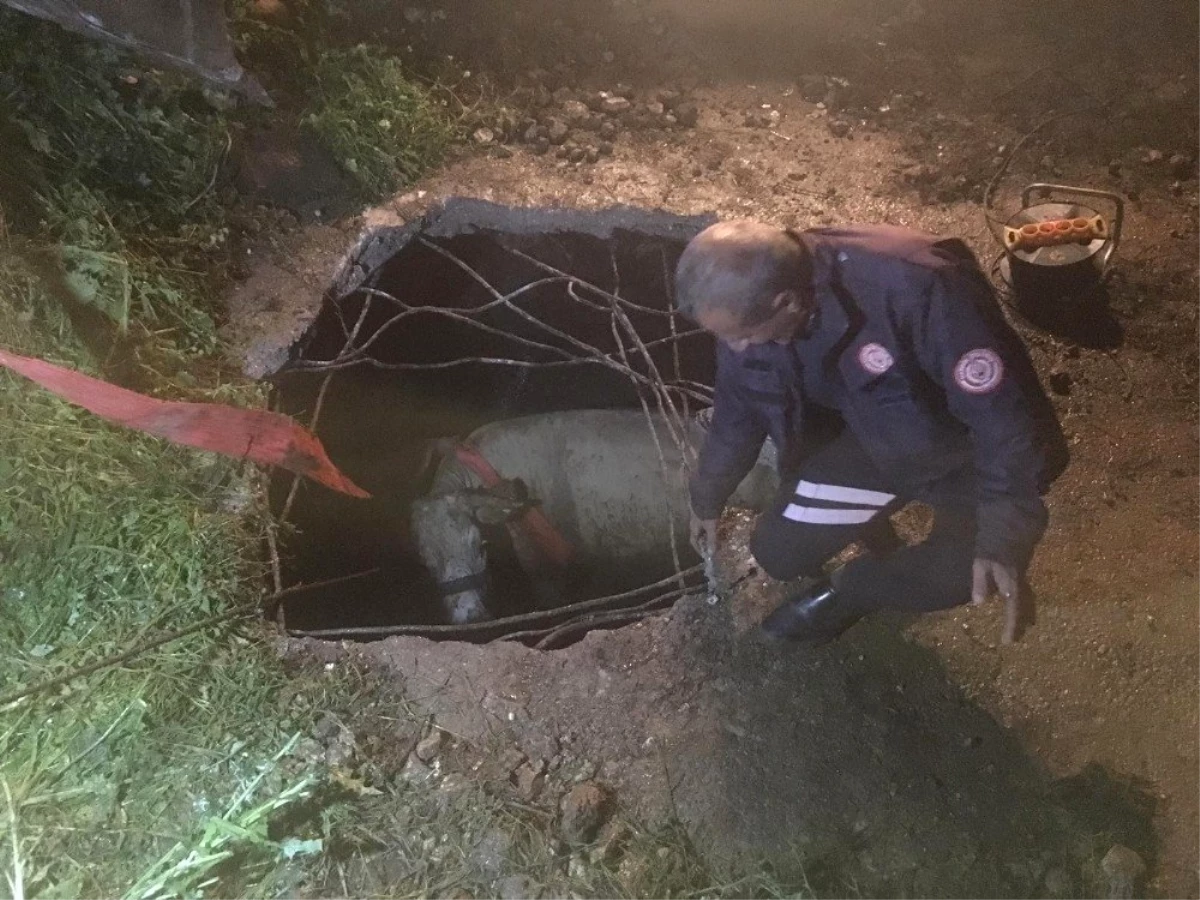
136 779
380 125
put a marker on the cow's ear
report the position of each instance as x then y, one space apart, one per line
501 503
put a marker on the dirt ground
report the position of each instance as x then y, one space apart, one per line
686 713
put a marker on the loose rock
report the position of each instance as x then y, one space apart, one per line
1181 165
1060 382
429 747
610 843
608 130
813 88
530 779
576 111
604 148
614 105
557 131
688 114
584 809
839 127
1059 883
517 887
484 136
1125 869
490 856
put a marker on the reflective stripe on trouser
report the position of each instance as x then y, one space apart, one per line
868 504
840 497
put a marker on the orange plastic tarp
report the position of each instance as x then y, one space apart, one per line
259 435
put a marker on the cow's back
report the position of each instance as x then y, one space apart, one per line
597 475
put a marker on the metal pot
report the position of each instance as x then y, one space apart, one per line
1067 272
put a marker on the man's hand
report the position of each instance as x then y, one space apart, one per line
704 535
1019 612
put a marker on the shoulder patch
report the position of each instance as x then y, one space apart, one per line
875 358
979 371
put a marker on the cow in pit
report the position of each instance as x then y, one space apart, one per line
596 475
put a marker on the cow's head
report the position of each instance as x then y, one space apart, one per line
450 543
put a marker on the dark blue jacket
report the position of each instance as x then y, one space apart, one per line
910 348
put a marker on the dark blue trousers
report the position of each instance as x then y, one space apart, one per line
838 496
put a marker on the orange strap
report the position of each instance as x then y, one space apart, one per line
547 538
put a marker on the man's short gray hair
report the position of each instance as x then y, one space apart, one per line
739 266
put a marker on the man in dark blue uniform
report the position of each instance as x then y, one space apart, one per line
895 338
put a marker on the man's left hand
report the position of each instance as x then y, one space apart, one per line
988 575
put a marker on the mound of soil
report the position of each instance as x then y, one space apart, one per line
860 762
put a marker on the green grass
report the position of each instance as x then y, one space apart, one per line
169 774
110 538
380 125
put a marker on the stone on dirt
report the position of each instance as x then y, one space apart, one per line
614 105
839 127
610 842
813 88
1059 883
557 130
490 856
517 887
688 114
1124 869
576 112
584 809
430 746
1060 382
1181 165
530 779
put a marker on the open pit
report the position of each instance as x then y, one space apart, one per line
472 314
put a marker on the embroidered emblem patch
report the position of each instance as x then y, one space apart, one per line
979 371
875 358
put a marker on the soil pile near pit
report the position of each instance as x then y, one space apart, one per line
859 762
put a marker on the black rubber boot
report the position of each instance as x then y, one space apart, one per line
815 615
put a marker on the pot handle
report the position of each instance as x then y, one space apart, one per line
1115 199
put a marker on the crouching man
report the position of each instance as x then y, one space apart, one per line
894 337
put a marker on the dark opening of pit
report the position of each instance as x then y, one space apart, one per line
435 373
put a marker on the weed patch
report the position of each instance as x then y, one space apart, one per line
383 128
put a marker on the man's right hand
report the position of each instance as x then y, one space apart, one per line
704 535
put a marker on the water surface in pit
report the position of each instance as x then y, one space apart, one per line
442 357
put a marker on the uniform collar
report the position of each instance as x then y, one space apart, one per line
838 319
